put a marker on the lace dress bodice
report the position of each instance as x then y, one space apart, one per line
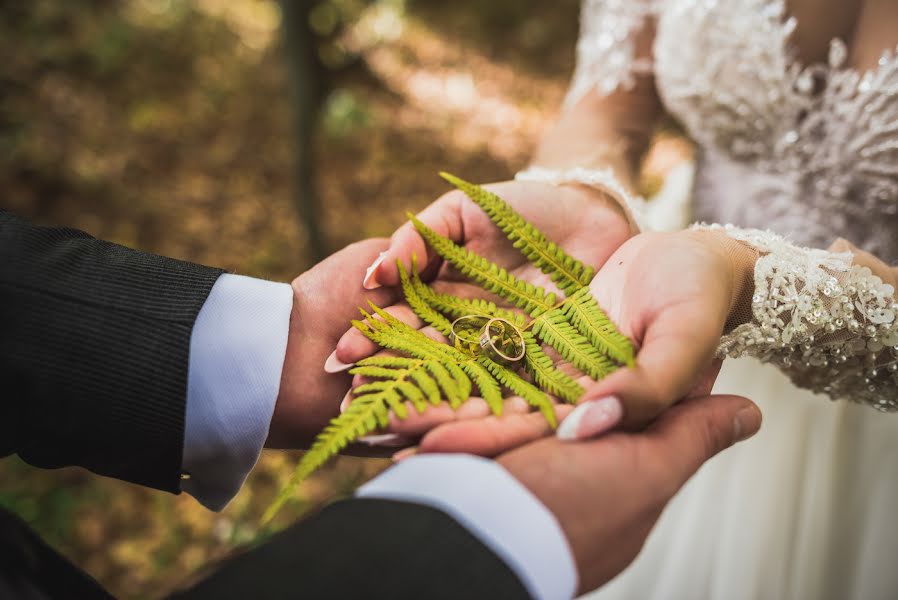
807 151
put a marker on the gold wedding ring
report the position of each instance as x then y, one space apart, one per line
501 341
496 338
465 333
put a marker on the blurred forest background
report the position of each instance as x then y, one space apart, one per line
256 136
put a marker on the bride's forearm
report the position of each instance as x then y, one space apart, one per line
602 132
610 125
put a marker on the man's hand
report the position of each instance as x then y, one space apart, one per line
325 299
608 493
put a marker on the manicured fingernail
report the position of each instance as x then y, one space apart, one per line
384 439
591 418
370 282
345 404
406 453
746 423
335 365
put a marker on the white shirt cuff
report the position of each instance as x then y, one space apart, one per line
495 507
237 351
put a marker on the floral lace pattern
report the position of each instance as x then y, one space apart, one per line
606 52
815 147
808 150
829 325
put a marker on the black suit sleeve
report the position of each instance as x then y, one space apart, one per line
366 549
94 342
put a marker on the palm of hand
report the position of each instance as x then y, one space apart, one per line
589 225
666 292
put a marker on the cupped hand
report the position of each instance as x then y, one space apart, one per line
672 294
325 299
587 223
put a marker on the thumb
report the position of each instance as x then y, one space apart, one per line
689 434
677 353
443 216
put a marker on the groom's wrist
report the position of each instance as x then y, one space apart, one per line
237 351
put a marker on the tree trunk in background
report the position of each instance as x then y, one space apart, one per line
309 87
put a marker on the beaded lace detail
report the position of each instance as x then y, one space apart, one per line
808 150
815 146
818 143
829 325
606 53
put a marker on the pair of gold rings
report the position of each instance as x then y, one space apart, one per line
496 338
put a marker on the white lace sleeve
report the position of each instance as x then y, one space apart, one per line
828 324
606 50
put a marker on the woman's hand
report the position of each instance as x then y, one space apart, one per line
585 222
672 294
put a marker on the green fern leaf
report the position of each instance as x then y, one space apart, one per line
487 386
569 273
458 307
449 377
520 387
526 296
429 372
591 321
546 375
553 329
363 416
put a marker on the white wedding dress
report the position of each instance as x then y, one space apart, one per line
808 509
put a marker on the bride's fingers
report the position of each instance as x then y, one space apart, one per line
354 346
492 435
677 351
417 424
443 216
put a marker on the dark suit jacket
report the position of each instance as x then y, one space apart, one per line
94 342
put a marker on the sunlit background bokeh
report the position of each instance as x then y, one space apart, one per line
255 136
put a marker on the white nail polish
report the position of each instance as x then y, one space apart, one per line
369 283
590 419
347 399
335 365
384 439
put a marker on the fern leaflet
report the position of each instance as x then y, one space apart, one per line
569 273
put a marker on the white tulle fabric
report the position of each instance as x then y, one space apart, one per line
806 508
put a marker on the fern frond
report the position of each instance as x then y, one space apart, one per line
418 304
395 362
569 273
442 360
429 372
489 389
553 329
526 296
428 385
384 372
590 320
458 307
363 416
452 380
520 387
546 375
